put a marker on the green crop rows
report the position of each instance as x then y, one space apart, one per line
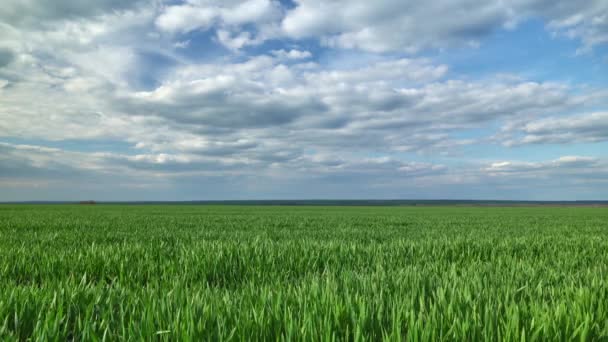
302 273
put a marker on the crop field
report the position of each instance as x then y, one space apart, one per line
274 273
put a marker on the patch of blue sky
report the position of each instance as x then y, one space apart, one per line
150 71
288 4
529 51
199 46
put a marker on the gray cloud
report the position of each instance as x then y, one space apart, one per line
38 12
6 57
38 165
380 107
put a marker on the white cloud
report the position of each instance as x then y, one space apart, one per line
291 54
592 127
226 16
578 165
186 18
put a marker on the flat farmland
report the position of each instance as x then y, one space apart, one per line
242 273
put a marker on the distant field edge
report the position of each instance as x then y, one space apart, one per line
312 202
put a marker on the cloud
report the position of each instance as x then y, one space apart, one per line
30 172
37 165
40 12
379 26
252 107
561 164
28 166
392 25
392 105
186 18
226 17
201 15
583 175
6 57
586 21
580 128
40 172
382 26
291 54
263 92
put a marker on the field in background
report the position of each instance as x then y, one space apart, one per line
309 273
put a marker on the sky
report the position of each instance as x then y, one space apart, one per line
303 99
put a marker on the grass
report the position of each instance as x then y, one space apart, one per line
247 273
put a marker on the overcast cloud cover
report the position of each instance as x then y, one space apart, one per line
267 99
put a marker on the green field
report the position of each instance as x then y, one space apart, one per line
302 273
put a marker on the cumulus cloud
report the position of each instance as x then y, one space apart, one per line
227 17
379 26
408 95
202 14
383 26
250 109
185 18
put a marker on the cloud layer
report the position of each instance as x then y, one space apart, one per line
268 99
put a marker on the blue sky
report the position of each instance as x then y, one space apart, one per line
264 99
